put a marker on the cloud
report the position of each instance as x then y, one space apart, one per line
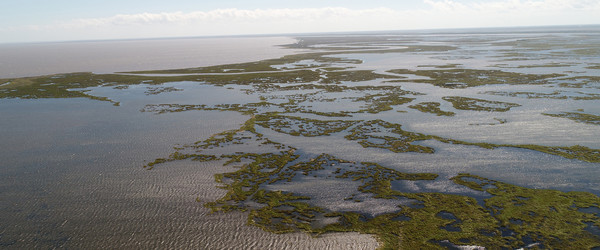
374 18
516 12
227 22
437 14
228 15
516 5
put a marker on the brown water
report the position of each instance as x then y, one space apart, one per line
32 59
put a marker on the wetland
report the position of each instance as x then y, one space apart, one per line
391 141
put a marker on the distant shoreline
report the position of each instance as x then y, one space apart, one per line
541 28
109 56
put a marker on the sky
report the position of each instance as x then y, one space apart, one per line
66 20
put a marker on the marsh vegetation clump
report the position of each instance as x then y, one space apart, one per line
578 117
463 78
381 134
467 103
431 107
159 90
302 126
376 103
556 95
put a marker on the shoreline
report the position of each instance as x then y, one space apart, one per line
107 57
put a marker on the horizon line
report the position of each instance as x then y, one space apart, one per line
365 32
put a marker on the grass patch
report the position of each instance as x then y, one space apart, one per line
463 78
466 103
578 117
431 107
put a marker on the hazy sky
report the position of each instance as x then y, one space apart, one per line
61 20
